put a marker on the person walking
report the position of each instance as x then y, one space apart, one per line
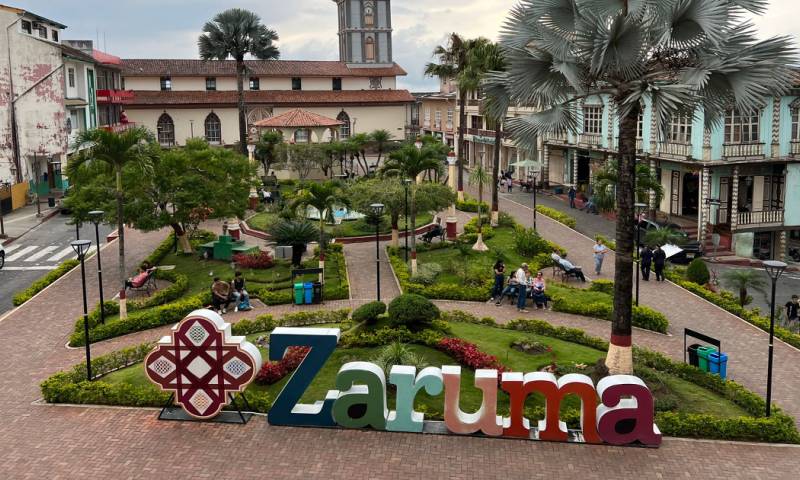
510 184
792 312
572 194
522 280
599 250
659 260
499 279
647 262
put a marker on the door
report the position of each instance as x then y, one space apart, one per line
675 193
691 192
724 214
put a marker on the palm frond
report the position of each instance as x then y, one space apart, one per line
526 130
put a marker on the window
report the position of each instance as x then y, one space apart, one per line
255 83
437 119
344 129
427 117
449 118
369 49
593 119
26 27
337 83
166 130
71 77
796 124
301 136
369 16
477 122
211 84
741 127
43 32
680 129
166 84
297 83
640 125
55 36
213 129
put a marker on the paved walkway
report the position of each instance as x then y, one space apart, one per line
87 443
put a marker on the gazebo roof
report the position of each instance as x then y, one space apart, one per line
298 118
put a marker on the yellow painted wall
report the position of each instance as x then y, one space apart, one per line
19 195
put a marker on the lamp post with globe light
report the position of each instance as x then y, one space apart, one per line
774 269
377 210
96 216
81 248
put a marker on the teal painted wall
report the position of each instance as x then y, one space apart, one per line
765 133
697 136
792 202
786 125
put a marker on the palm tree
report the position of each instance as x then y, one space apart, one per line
687 57
325 197
237 33
132 148
266 149
480 177
605 186
453 61
297 234
356 144
742 279
380 139
387 191
664 236
408 162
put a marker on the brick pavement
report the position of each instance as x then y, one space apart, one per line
80 442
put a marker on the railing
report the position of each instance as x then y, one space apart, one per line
484 133
118 128
743 150
114 96
794 148
590 139
555 138
639 144
760 218
675 149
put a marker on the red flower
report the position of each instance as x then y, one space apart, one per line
273 372
469 355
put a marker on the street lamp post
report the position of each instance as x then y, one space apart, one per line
406 185
377 210
81 247
774 270
535 177
640 207
96 216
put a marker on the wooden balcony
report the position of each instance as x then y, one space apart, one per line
762 218
743 150
675 149
590 140
560 139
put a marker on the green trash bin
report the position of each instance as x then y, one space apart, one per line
299 294
702 356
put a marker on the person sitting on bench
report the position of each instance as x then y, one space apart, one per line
436 231
239 294
139 280
572 269
220 295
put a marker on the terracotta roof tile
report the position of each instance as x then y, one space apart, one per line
298 118
269 68
272 97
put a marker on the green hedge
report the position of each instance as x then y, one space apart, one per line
556 215
471 205
43 282
728 302
602 286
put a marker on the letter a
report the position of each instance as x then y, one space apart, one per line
637 411
405 419
485 419
365 384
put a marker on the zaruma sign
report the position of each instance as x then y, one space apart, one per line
619 411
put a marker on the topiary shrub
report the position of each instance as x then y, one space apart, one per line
369 312
427 273
413 311
528 243
698 272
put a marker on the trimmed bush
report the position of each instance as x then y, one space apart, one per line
528 243
369 312
471 205
471 227
602 286
44 282
556 215
427 273
413 311
698 272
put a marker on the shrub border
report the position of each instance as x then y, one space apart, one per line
557 215
44 282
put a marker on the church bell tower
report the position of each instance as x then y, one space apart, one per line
365 32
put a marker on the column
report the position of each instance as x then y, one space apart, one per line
575 168
653 206
734 200
705 194
776 127
782 250
706 145
546 165
612 109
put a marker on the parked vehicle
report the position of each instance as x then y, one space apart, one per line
794 254
691 249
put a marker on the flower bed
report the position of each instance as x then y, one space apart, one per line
273 372
469 355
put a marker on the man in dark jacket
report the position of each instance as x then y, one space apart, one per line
646 261
659 259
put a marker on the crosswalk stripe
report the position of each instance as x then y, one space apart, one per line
11 248
41 253
21 253
60 254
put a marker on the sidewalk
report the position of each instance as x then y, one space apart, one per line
22 220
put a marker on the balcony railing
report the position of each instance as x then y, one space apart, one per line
590 139
742 150
118 128
794 149
675 149
765 217
115 97
555 138
484 133
639 144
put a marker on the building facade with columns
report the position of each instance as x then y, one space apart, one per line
740 181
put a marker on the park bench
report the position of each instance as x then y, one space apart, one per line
559 269
146 284
436 232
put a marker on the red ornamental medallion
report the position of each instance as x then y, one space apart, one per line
202 363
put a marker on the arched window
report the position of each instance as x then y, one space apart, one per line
166 130
369 16
369 51
213 129
344 129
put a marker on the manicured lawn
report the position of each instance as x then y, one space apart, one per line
690 398
353 228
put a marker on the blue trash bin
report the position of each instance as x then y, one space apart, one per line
309 292
718 364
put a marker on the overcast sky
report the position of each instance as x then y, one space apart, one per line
307 28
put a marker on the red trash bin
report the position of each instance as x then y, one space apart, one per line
452 228
233 231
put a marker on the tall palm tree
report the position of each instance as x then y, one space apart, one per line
605 186
357 145
380 139
453 63
237 33
408 162
480 177
687 56
133 147
742 279
325 197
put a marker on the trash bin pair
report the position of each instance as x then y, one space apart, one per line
708 359
307 293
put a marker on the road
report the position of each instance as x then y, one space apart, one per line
38 251
788 285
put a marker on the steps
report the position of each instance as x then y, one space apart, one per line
723 250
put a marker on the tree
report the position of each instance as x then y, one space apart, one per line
237 33
380 139
480 177
133 149
301 158
386 190
296 234
333 151
266 149
357 146
605 186
325 197
453 60
742 279
663 236
689 57
409 162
